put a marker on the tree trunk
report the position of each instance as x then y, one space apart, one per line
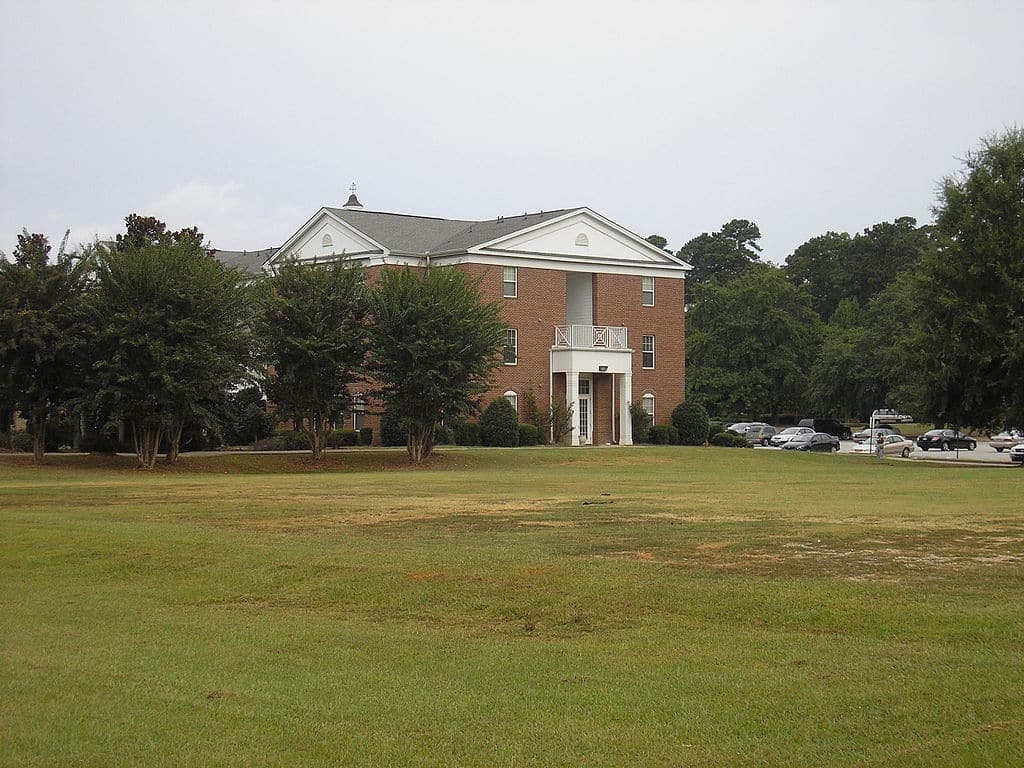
38 438
318 435
174 441
147 444
419 442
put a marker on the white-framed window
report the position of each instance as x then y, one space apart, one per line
513 399
358 411
647 403
327 242
647 291
510 282
648 352
511 346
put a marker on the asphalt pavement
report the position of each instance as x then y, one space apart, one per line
983 454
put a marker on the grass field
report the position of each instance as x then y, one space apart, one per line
496 608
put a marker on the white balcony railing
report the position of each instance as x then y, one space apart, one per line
591 337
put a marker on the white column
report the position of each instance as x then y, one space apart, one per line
572 391
625 398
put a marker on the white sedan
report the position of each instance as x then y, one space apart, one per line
788 434
894 445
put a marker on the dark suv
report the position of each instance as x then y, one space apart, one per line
828 426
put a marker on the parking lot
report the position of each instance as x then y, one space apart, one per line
983 454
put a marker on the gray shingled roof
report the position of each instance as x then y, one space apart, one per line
249 262
423 234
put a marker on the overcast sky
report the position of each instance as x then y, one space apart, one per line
666 117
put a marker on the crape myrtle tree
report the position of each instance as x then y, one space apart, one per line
39 331
435 344
168 332
969 322
313 339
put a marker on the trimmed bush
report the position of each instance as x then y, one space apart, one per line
714 429
499 425
342 438
21 442
727 439
284 440
664 434
691 421
529 434
465 433
366 436
641 420
392 431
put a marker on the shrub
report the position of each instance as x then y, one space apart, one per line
561 420
664 434
529 434
21 442
442 435
499 425
392 431
465 433
641 420
714 429
534 414
727 439
285 440
691 420
366 436
98 442
341 438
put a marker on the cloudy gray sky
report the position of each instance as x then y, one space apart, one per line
667 117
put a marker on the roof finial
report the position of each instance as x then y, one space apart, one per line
353 201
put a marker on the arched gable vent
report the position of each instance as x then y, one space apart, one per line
582 239
327 242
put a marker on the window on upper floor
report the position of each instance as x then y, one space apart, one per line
510 282
648 352
513 399
647 291
327 242
511 346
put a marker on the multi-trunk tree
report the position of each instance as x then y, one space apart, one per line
313 340
39 332
435 344
169 333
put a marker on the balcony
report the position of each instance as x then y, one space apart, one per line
590 337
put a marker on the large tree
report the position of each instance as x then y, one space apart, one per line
313 338
969 323
39 331
749 342
435 344
724 254
169 334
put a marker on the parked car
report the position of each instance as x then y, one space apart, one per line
816 441
780 439
946 440
1005 440
867 434
828 426
890 416
894 445
1017 453
741 427
760 434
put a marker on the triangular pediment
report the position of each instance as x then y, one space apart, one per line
582 235
323 236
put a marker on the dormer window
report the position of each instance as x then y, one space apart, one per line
327 242
582 239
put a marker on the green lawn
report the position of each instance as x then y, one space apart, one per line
494 608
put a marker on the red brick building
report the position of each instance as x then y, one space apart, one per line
594 312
